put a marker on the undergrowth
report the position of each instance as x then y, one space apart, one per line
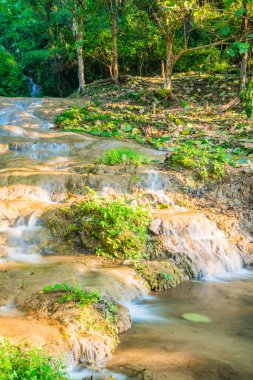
109 124
114 228
19 362
206 160
122 156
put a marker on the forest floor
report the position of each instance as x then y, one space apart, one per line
138 110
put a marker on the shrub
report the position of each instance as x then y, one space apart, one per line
247 97
122 156
109 228
207 60
12 81
20 362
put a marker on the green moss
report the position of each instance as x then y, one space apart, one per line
159 275
122 156
162 94
20 362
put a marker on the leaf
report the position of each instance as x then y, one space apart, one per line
218 24
243 47
231 52
240 12
225 30
186 131
193 317
65 286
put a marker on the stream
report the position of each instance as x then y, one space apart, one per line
39 168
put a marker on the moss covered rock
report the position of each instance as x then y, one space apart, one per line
160 275
91 322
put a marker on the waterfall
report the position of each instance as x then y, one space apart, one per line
195 237
35 89
22 239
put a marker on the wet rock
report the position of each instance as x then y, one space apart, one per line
155 226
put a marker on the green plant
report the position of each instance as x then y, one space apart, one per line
12 81
122 156
109 228
82 298
19 362
205 159
247 97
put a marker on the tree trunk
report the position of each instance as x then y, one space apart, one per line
114 47
110 71
244 63
169 65
162 70
78 37
243 70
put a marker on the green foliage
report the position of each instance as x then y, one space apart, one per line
116 228
75 294
122 156
106 124
12 81
162 94
83 298
38 36
21 362
210 60
247 97
207 160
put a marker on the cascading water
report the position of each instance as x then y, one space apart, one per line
35 89
39 167
22 243
194 236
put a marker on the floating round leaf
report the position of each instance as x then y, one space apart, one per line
193 317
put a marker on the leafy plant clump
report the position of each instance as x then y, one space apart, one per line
122 156
108 228
20 362
207 161
83 298
12 81
247 96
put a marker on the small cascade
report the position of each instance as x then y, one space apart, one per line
155 183
22 240
194 236
35 89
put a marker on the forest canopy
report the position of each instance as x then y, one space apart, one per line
65 44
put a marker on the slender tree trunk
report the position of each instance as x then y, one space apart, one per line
169 65
244 63
162 70
114 47
110 71
78 37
